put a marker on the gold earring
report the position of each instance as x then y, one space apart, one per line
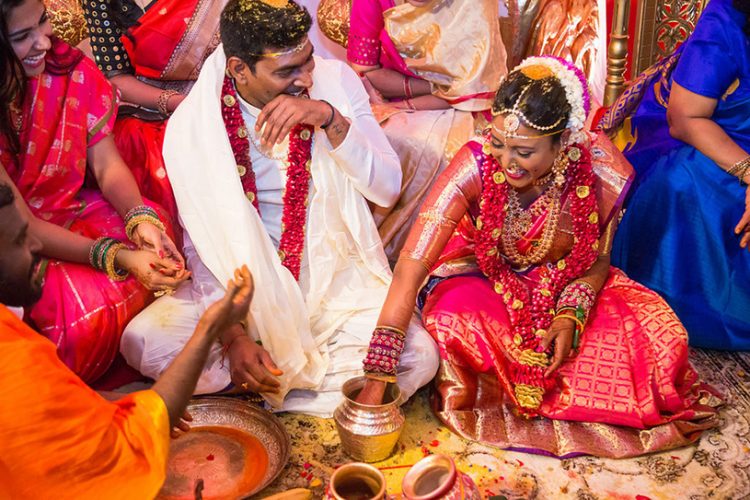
559 167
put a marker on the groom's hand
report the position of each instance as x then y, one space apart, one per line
251 367
284 112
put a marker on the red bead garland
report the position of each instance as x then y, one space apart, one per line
531 310
297 186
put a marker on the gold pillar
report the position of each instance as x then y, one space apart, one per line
617 52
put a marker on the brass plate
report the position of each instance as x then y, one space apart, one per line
233 450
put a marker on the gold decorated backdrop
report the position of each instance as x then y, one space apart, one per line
67 20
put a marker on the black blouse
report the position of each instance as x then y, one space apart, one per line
106 26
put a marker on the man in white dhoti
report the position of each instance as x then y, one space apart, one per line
272 158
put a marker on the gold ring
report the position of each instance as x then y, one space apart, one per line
245 385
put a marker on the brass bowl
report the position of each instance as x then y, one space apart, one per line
223 454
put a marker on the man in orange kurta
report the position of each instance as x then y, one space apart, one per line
59 438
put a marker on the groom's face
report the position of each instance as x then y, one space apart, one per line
274 75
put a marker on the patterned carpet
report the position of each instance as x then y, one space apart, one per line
717 467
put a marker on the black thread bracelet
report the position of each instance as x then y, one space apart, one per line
333 115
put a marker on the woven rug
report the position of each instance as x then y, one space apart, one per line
717 467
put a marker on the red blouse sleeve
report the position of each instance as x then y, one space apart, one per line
455 190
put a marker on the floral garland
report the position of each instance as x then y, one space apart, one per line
576 89
297 187
531 310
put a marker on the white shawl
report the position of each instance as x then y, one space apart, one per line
348 270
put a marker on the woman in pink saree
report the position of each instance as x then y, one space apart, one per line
57 152
431 69
545 347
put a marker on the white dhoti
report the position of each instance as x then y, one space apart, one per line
152 340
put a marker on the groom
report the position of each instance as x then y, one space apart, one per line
273 158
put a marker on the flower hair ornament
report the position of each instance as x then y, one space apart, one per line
576 89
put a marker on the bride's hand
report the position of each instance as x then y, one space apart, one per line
561 332
372 392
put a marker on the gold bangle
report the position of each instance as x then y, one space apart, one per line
741 165
109 265
380 377
392 329
134 221
163 100
578 321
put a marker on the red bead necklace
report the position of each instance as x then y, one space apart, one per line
531 310
296 190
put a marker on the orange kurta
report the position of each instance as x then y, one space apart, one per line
61 439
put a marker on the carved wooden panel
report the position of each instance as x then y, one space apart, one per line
661 26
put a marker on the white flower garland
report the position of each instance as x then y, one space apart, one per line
576 91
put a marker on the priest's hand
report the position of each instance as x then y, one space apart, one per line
251 367
182 426
234 306
561 332
372 392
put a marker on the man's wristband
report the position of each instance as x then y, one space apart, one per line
330 119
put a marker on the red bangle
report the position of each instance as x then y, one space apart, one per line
407 88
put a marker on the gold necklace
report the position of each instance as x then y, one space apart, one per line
518 222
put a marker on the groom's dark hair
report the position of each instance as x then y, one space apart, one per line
250 27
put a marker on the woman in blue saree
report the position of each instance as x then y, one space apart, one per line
685 126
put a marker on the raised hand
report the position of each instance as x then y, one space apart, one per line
234 306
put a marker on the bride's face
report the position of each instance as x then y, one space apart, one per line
29 32
522 160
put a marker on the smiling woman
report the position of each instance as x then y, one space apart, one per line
512 245
56 115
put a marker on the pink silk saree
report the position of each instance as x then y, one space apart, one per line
628 390
67 110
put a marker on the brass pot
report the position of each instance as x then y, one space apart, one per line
368 433
436 477
356 481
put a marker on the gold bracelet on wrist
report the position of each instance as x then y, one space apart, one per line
163 100
381 377
570 316
133 222
393 329
111 269
740 169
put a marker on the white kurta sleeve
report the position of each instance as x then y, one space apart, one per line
365 155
